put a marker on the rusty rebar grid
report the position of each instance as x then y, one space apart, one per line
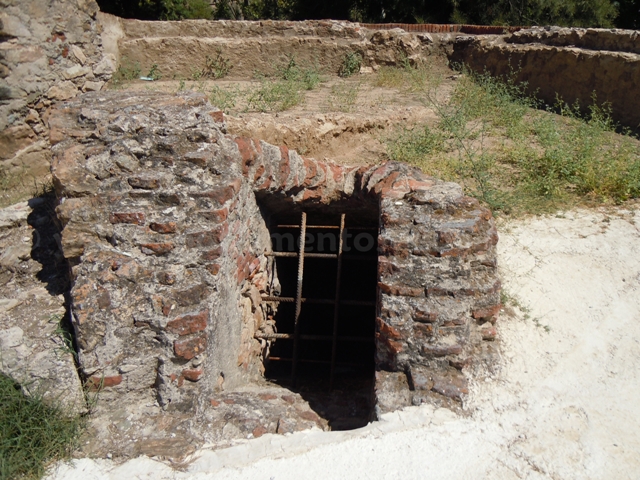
336 305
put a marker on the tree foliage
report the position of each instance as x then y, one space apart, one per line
578 13
157 9
574 13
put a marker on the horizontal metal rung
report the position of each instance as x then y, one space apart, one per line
306 255
332 227
290 336
310 226
360 258
353 303
321 362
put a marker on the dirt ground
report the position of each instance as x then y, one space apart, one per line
344 120
561 404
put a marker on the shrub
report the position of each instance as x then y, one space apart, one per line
350 64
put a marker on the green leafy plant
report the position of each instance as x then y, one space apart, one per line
154 72
216 67
224 99
351 64
126 72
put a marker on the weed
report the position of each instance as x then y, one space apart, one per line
126 72
215 67
308 77
343 97
63 332
224 99
517 159
410 78
275 96
351 64
154 72
33 433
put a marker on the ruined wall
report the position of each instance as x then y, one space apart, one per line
181 48
168 248
49 51
574 63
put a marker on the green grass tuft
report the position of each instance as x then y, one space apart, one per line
32 433
490 138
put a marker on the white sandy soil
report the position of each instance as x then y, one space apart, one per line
564 403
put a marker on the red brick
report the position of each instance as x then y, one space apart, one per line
193 375
249 152
387 330
213 254
446 237
145 182
190 347
400 290
215 216
311 171
213 268
489 333
156 248
137 218
391 346
486 313
169 227
285 166
214 403
207 238
198 158
267 396
259 431
229 401
191 296
190 323
97 382
221 194
425 317
218 116
313 194
423 329
384 185
259 172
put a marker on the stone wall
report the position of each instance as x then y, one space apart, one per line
49 51
573 63
169 248
181 48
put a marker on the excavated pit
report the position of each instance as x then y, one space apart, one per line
338 386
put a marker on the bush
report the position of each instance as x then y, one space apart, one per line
350 64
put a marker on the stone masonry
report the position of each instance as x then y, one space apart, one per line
168 252
49 51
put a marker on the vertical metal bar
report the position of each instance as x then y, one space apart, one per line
296 337
336 306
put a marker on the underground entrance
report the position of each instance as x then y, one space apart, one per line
324 277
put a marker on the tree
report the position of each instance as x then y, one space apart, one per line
574 13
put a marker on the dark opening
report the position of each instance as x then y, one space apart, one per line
344 398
